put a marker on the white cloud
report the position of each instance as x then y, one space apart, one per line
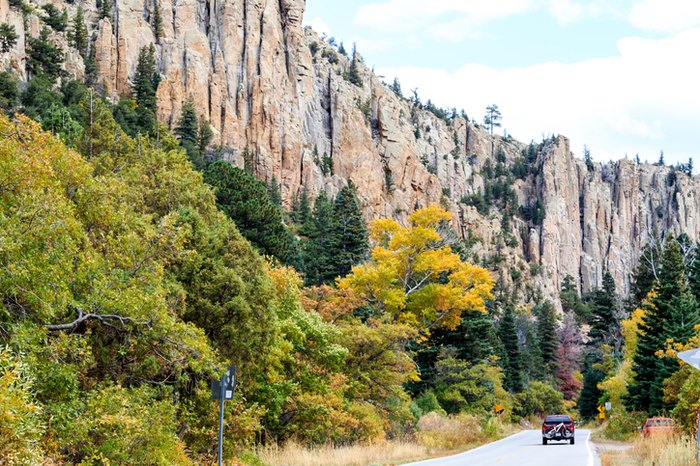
569 11
640 101
666 15
443 19
319 25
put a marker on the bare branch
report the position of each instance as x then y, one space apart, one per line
103 318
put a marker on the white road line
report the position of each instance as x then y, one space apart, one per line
442 458
588 447
495 443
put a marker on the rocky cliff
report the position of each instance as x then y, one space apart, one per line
269 85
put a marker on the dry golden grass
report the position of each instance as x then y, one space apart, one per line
437 435
660 450
440 433
388 453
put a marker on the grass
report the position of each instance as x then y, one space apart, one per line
387 453
437 436
666 450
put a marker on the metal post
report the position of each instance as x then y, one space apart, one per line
221 418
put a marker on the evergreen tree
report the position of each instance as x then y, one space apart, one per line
493 117
532 356
512 363
650 371
605 327
157 21
350 235
105 9
144 86
684 315
694 274
79 33
245 200
44 57
571 301
319 260
644 275
187 132
204 136
9 92
354 72
547 333
8 37
590 393
274 191
301 210
55 18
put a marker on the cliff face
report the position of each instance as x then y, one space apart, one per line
269 85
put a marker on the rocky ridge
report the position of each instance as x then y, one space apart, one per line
268 84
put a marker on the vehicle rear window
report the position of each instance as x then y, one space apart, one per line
557 419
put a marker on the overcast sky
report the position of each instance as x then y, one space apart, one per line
622 77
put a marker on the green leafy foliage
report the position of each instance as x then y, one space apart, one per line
538 399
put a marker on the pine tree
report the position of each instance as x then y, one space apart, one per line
273 190
605 327
319 262
55 18
532 357
187 132
350 235
547 333
694 274
9 92
79 33
204 136
512 363
105 9
650 371
144 86
245 200
684 315
354 72
301 211
157 22
590 393
8 37
44 57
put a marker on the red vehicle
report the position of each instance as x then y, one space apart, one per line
657 425
558 427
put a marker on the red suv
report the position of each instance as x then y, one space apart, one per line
657 425
558 427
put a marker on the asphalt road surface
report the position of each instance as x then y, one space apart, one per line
524 449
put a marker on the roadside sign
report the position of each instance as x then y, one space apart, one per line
229 385
223 390
608 406
691 357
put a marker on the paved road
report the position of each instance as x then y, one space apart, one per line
524 449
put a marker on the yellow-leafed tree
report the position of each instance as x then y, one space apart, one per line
414 277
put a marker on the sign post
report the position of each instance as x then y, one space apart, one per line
223 390
692 358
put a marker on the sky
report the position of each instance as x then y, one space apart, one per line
621 77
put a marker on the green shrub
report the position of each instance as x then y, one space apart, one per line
538 399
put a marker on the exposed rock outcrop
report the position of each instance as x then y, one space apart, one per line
267 84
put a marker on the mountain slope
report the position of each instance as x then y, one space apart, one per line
269 85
